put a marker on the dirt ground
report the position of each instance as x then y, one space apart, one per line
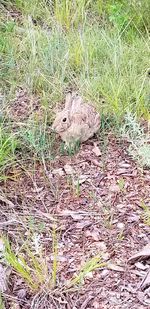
96 197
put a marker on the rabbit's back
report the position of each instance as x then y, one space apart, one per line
85 122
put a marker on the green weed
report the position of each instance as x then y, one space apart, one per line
8 146
35 139
121 184
139 147
146 213
31 266
91 265
1 302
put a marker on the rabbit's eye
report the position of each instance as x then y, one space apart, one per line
64 119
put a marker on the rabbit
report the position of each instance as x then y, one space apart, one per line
78 121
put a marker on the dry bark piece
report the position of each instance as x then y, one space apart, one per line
146 281
58 171
3 279
93 234
96 150
68 169
73 214
81 179
140 266
144 254
115 267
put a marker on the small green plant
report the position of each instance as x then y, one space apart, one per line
36 139
77 188
121 184
70 149
120 235
70 13
139 147
91 265
8 146
117 14
55 254
1 302
32 268
146 213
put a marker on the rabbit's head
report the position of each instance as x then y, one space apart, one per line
64 118
62 121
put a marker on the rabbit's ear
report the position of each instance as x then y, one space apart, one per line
68 101
76 103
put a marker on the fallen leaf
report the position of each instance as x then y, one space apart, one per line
104 273
115 267
73 214
114 188
102 246
124 165
141 266
83 224
37 190
68 169
146 281
120 225
58 171
95 162
81 179
92 234
144 254
96 150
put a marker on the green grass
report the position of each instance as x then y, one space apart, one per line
32 266
99 62
89 266
100 48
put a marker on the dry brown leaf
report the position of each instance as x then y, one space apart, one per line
83 224
146 281
144 254
96 150
73 214
124 165
141 266
114 188
68 169
58 171
115 267
81 179
93 234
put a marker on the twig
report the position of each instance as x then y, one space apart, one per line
87 300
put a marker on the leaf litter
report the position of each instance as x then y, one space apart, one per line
93 217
